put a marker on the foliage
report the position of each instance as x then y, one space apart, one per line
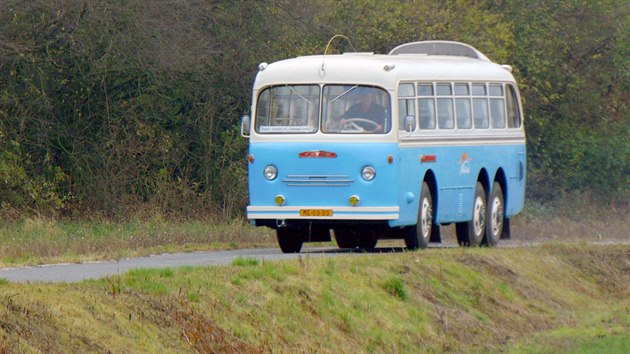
126 106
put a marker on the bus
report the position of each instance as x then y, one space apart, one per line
362 147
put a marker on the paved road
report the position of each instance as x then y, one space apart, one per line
73 272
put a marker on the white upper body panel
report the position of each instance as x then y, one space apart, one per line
385 71
368 68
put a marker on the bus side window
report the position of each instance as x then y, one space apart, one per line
406 104
480 112
513 111
480 106
406 107
445 106
497 112
445 113
426 106
462 106
497 106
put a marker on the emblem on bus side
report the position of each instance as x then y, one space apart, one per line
318 153
465 164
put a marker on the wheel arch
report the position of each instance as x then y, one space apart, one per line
429 178
500 178
484 179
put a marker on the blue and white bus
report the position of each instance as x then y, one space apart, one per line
364 147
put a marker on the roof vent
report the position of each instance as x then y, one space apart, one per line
439 48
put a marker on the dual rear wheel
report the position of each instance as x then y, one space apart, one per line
486 225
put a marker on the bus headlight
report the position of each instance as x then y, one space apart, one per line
270 172
368 173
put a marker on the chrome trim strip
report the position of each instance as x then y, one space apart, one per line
331 184
317 176
424 140
318 180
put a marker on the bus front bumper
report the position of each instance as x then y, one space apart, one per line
322 213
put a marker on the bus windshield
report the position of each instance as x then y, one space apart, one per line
355 109
347 109
288 109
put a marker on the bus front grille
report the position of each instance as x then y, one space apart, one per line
318 180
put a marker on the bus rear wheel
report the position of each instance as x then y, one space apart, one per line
496 208
470 233
419 236
290 240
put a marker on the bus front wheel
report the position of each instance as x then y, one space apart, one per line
470 233
290 240
419 236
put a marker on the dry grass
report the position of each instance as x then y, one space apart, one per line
39 241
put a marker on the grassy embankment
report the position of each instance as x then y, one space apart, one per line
552 298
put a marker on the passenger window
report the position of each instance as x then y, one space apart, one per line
425 90
479 89
480 113
462 107
445 113
496 90
513 111
497 112
461 90
406 90
426 109
406 107
444 89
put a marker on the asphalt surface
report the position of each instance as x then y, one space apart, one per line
74 272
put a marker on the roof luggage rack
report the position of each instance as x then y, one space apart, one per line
439 48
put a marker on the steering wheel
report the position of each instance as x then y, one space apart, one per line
351 123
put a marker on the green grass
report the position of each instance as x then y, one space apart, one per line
396 287
245 262
546 299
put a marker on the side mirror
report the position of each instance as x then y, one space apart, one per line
245 126
410 123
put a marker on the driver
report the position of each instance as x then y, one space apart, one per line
366 109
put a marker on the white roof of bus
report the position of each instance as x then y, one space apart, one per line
372 69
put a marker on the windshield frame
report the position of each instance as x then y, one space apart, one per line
323 114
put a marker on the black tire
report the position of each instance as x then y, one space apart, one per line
368 239
470 234
346 238
494 216
419 236
290 240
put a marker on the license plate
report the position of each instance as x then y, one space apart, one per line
316 212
